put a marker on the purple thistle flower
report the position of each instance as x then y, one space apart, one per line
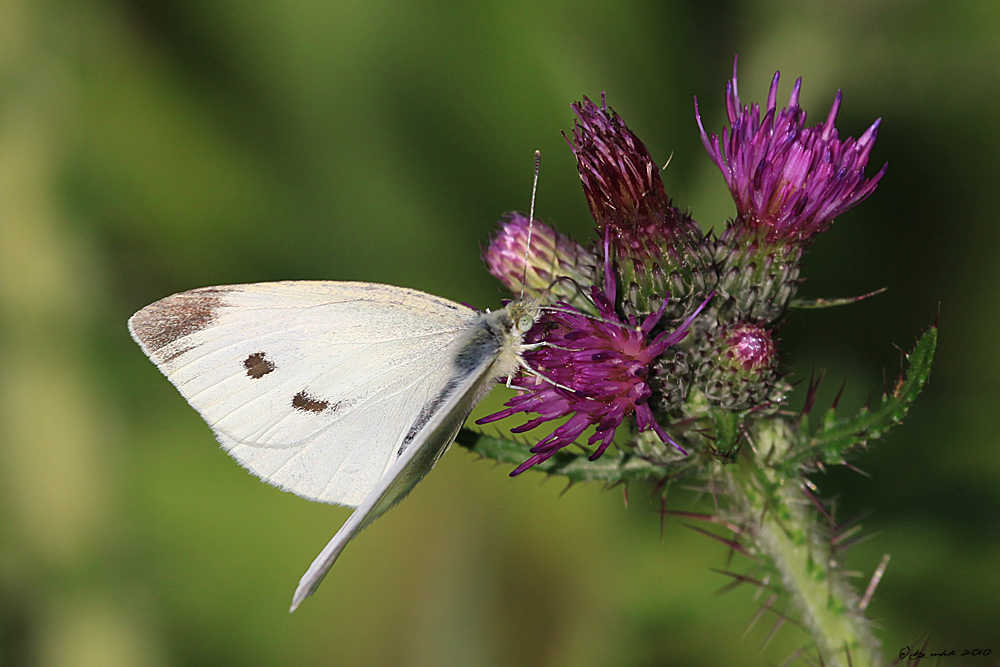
603 366
789 182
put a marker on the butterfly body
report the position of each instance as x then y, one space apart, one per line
341 392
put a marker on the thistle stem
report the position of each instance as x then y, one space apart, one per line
785 528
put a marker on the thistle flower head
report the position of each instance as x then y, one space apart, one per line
789 181
651 239
593 369
557 266
622 184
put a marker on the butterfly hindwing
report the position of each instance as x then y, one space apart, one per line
473 373
313 386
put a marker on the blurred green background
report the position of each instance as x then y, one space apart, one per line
150 147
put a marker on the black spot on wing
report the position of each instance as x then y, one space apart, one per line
258 365
306 403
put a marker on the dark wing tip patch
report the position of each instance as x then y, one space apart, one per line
306 403
169 320
258 365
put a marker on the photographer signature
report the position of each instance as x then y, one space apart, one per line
916 654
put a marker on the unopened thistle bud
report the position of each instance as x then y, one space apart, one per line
660 252
738 366
557 266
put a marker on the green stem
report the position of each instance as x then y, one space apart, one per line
785 529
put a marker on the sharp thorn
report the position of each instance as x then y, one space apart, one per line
856 469
740 578
857 518
759 615
844 535
812 391
660 484
792 658
873 584
817 504
774 630
850 544
840 393
732 585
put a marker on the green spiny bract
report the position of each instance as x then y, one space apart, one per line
757 279
670 380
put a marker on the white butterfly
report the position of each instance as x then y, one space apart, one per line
341 392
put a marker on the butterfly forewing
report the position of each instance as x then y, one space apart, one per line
313 386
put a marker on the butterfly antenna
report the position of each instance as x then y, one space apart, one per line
592 318
531 221
561 279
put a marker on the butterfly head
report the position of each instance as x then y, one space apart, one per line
523 315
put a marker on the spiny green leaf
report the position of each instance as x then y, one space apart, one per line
612 467
811 304
835 437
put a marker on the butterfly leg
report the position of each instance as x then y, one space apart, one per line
544 343
531 371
